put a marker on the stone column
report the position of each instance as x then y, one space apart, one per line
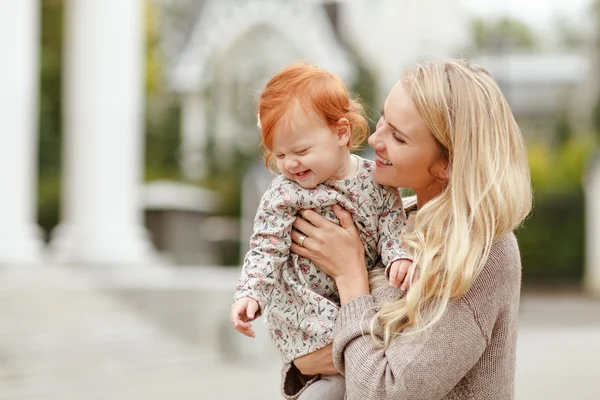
20 237
592 222
193 136
102 218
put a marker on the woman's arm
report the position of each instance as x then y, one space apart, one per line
336 249
427 366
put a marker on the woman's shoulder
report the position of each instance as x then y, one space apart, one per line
500 277
504 251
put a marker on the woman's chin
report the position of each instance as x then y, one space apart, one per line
385 179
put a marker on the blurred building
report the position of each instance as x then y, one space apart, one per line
223 53
542 88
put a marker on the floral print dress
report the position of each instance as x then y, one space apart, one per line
299 301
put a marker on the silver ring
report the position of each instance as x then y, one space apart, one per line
301 239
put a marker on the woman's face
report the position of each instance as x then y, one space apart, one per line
408 156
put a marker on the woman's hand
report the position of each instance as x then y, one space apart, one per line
318 362
336 249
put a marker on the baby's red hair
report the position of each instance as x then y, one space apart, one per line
317 92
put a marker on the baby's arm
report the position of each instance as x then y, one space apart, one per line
392 222
269 250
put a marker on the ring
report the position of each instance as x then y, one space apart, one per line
301 239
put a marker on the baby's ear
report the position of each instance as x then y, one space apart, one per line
343 130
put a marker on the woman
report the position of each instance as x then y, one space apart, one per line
447 132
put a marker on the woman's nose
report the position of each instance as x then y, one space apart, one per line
375 140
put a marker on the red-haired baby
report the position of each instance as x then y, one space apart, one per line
310 124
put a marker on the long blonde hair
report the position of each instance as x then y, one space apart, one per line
488 192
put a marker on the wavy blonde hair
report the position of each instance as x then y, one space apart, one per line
488 192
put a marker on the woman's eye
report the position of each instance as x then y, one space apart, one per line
279 156
398 138
301 152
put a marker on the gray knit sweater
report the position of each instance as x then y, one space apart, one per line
468 354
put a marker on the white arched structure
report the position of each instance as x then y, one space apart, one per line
234 47
222 23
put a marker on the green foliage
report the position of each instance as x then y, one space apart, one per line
502 34
559 171
364 88
569 32
162 140
552 238
226 181
563 129
50 112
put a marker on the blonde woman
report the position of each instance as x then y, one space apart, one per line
447 132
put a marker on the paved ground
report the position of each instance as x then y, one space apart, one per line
63 339
558 356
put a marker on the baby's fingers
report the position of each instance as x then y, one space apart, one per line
251 309
244 328
393 278
403 274
411 276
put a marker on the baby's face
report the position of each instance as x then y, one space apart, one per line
309 152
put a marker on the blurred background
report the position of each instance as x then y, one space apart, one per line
131 173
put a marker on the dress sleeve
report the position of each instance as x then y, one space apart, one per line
426 366
269 244
392 223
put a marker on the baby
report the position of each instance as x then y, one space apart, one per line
309 125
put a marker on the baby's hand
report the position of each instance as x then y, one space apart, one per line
398 274
242 311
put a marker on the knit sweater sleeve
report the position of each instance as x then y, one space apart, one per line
426 366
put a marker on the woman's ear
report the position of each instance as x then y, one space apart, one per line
440 170
343 130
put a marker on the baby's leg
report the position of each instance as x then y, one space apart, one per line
328 387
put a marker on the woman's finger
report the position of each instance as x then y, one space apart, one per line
314 218
300 250
296 235
345 217
303 226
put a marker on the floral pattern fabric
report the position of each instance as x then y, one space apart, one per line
299 301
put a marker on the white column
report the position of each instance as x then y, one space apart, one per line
102 219
20 237
592 222
193 136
